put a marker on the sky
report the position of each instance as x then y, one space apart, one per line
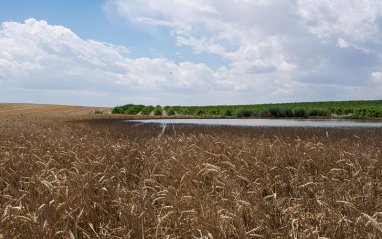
181 52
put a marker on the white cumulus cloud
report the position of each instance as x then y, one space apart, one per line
46 58
302 44
275 51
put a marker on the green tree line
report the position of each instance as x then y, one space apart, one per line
367 108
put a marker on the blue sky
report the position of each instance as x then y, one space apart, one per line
178 52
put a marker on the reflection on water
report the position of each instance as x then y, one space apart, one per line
269 122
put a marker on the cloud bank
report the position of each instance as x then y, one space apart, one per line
276 51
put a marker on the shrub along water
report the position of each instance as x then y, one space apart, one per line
244 113
277 112
304 109
170 111
319 112
147 110
158 110
129 109
300 112
227 112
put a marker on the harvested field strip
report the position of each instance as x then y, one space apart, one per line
16 108
104 178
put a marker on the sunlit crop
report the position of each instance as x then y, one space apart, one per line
100 177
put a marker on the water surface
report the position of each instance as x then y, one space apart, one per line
338 123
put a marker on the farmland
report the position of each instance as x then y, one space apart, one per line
372 108
44 109
86 175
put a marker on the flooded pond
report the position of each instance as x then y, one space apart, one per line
324 123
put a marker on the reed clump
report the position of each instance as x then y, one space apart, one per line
104 178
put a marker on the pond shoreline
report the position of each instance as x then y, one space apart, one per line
275 122
252 117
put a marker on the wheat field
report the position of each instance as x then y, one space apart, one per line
96 176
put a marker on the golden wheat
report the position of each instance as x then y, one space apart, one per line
100 177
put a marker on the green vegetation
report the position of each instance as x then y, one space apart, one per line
147 110
300 112
319 112
98 112
245 113
158 110
277 112
170 111
367 108
129 109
